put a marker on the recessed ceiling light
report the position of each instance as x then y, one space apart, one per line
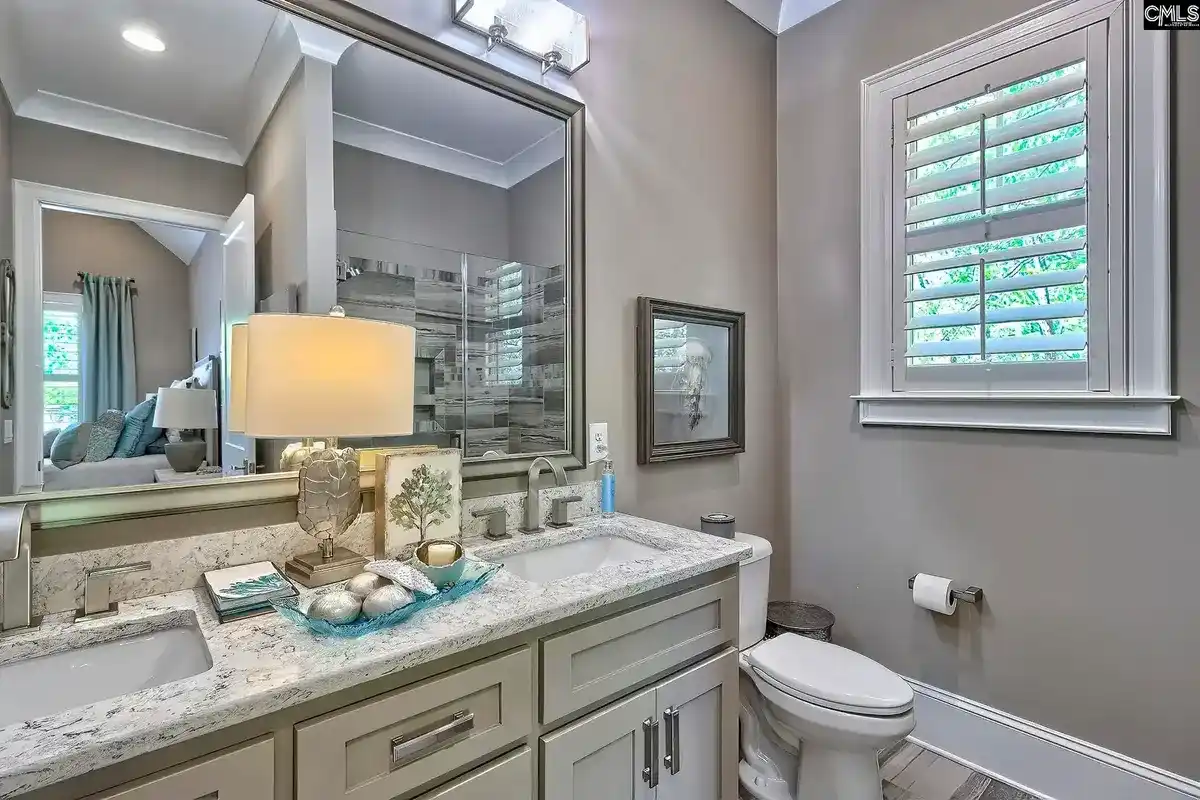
143 39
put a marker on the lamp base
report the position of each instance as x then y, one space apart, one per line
314 569
186 456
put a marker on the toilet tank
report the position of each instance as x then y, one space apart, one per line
754 574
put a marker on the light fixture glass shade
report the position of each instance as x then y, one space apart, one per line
189 409
309 375
535 27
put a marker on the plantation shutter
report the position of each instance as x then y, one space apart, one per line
504 301
1000 207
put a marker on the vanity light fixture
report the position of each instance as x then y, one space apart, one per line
143 39
545 30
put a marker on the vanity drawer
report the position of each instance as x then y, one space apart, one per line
589 664
510 778
384 747
243 773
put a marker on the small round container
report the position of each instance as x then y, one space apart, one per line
442 576
718 525
805 619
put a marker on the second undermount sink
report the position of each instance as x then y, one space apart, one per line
576 558
43 685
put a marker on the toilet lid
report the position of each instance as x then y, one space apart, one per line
830 676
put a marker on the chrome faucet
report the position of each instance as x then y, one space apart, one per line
15 594
533 505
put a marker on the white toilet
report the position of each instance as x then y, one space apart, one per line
814 716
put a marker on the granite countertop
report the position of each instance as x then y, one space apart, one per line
264 664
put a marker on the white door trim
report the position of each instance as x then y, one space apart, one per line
28 201
1033 758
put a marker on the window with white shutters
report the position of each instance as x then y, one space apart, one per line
504 356
60 359
1002 254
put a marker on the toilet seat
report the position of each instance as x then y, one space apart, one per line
830 676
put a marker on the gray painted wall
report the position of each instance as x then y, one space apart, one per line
1082 544
381 196
680 204
205 284
6 251
75 242
60 156
537 214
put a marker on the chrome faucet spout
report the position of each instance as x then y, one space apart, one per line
16 590
533 505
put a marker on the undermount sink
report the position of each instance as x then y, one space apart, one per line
576 558
44 685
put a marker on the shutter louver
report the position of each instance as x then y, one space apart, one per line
995 234
505 302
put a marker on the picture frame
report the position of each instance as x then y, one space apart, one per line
691 381
418 496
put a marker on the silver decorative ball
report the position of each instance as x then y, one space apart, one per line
364 583
385 601
338 607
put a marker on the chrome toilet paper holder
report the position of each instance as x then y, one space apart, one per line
971 594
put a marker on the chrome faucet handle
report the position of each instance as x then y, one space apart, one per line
97 586
560 511
497 522
16 583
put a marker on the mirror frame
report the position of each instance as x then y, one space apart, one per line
148 500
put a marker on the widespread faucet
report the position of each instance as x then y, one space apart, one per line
15 581
533 505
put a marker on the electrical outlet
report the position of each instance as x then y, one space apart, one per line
597 442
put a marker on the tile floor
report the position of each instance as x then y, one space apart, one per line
911 772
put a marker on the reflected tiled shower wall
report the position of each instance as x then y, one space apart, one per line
490 358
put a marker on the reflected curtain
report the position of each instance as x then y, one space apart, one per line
107 372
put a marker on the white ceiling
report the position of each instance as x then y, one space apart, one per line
183 242
779 15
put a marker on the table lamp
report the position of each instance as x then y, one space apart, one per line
304 375
187 410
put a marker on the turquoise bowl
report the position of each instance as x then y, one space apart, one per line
445 576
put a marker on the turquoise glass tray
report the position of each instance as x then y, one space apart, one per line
475 575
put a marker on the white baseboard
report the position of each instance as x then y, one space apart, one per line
1035 759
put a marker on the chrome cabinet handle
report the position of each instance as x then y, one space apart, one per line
432 738
8 313
671 720
647 750
654 757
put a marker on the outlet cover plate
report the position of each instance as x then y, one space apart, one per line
597 442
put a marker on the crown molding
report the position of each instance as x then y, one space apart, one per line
405 147
114 123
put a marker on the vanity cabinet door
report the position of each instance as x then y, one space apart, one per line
509 778
698 711
244 773
606 756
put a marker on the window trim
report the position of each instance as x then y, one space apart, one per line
1145 405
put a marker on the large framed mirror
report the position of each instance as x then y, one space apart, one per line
178 166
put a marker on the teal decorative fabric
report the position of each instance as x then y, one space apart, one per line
48 441
138 432
106 432
107 376
71 444
158 447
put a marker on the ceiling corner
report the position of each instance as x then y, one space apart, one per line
778 16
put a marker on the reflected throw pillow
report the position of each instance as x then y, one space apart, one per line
137 432
71 444
48 441
158 447
106 432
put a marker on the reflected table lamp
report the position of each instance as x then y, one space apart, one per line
301 376
186 410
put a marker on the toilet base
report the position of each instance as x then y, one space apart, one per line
828 774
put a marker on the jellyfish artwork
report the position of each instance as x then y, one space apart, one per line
692 377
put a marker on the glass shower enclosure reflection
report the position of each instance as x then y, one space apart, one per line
491 342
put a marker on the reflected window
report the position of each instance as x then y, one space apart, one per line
60 359
505 354
669 338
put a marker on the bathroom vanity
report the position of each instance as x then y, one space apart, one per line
602 664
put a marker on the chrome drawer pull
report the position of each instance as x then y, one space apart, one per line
671 720
647 750
432 738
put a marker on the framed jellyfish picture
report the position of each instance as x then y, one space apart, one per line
691 381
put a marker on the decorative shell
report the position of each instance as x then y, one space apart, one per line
364 583
338 607
385 601
404 575
330 498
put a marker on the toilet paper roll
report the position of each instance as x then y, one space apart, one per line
933 592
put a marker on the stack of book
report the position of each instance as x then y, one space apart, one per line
246 591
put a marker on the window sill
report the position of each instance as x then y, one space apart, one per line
1076 413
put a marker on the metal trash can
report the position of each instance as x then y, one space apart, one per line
718 525
806 619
